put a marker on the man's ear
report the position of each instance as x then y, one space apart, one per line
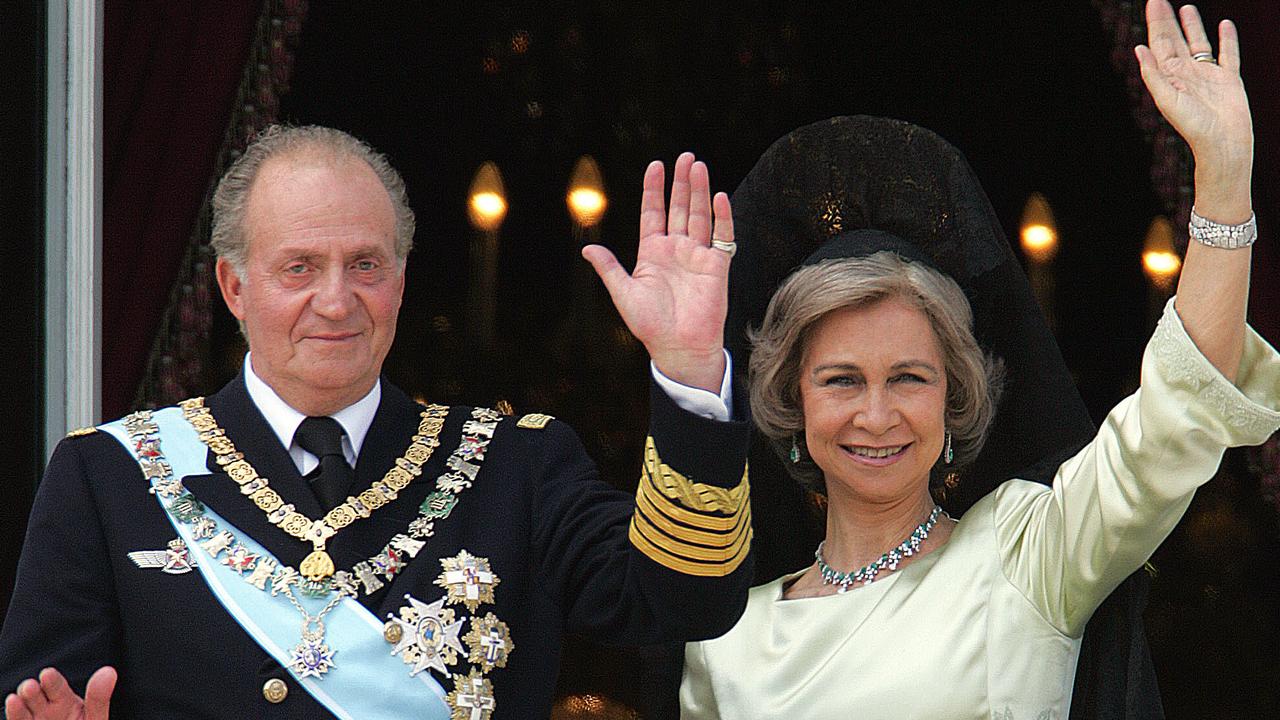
231 285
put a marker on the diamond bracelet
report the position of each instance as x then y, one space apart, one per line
1231 237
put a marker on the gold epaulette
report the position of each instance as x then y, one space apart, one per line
534 421
690 527
81 432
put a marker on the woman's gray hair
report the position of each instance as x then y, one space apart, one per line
974 379
231 197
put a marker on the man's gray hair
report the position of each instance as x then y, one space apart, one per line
232 194
974 378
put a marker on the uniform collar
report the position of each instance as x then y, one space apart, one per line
284 420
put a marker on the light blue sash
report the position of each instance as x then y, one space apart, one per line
366 681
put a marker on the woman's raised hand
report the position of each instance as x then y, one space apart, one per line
676 299
1203 100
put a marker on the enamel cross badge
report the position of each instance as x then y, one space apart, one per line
311 657
468 579
472 697
489 642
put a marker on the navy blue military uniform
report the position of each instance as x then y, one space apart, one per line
564 544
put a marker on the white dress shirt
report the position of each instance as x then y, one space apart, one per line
355 419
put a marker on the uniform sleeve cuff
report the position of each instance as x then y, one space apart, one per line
700 448
696 400
693 502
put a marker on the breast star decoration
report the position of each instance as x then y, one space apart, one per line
425 636
471 698
489 642
468 580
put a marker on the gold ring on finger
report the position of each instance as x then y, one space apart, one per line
1204 57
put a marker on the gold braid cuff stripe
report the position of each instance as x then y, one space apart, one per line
726 549
693 528
705 521
693 495
317 566
670 554
693 536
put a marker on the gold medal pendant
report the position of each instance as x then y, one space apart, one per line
317 566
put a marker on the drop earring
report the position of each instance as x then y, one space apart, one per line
795 451
947 454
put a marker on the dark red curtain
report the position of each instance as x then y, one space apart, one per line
171 72
1170 162
1258 23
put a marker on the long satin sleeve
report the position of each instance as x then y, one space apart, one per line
697 696
1111 505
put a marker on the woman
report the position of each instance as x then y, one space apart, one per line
868 377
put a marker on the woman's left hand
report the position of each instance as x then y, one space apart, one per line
1203 100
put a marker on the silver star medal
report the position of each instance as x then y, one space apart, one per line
425 636
174 561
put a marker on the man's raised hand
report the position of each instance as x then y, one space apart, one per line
676 298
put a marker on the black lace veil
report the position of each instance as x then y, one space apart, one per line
841 175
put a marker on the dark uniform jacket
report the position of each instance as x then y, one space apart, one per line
560 540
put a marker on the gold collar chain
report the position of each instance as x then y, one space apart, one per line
318 565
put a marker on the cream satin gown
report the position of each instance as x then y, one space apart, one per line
989 625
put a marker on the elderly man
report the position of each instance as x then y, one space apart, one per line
308 541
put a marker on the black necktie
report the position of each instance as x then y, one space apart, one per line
322 437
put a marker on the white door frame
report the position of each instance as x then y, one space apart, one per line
73 218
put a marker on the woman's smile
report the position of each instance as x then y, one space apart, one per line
874 396
876 456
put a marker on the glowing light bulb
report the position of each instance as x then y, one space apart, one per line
586 202
1038 238
586 198
1159 260
1039 234
488 205
1161 263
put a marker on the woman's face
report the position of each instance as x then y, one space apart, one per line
873 388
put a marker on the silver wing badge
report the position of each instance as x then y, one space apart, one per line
174 561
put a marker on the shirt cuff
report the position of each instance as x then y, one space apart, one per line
702 403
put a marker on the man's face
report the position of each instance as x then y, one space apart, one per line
322 284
